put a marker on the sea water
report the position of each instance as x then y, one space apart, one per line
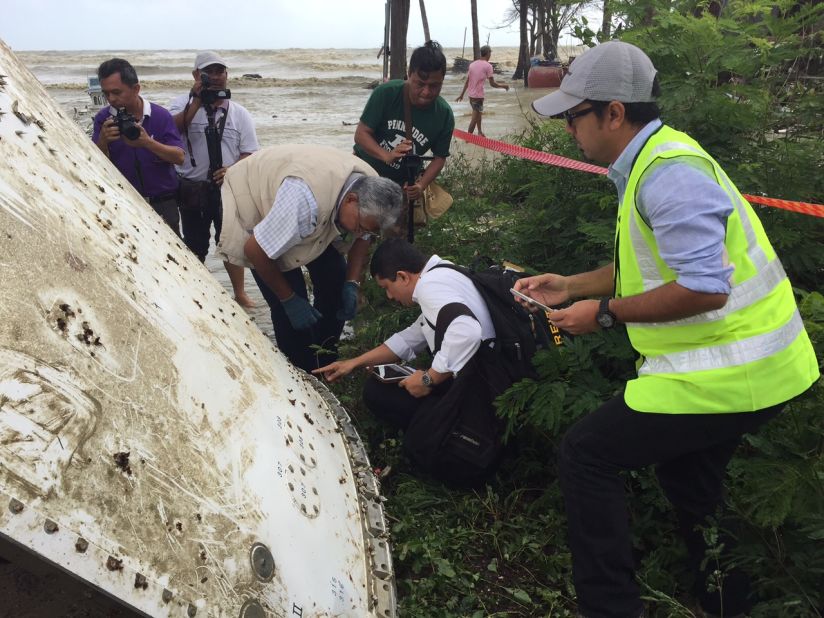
303 95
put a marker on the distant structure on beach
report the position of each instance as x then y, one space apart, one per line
95 92
461 65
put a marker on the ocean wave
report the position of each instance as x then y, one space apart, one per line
352 66
243 82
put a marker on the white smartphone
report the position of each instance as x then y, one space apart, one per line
392 372
531 300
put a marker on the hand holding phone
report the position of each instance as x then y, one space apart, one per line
530 300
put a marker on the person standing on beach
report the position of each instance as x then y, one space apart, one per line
286 208
479 71
380 138
707 306
200 179
149 146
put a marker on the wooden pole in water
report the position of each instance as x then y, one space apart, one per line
463 49
387 16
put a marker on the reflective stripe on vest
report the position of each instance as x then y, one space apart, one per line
742 295
728 355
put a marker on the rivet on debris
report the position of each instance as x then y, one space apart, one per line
252 609
15 506
50 526
263 564
114 564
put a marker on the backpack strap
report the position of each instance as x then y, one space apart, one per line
448 312
446 316
465 272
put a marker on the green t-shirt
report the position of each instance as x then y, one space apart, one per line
431 127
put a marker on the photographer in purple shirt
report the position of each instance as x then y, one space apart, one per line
140 138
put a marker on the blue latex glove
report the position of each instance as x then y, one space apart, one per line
348 302
300 312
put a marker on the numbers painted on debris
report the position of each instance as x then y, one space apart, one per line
338 590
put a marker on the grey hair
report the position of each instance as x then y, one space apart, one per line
380 198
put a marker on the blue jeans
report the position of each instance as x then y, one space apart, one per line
328 273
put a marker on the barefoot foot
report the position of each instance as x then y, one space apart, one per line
244 301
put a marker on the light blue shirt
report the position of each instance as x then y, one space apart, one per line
687 211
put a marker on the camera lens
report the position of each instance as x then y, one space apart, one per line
130 131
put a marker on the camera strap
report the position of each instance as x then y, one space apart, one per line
139 171
221 125
407 122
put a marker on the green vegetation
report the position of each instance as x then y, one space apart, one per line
739 85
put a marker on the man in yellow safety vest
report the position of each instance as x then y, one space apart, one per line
707 306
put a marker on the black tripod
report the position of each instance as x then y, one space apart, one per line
213 139
412 164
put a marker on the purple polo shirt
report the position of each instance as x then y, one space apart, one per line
158 176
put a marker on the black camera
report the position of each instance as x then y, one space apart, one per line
127 124
209 97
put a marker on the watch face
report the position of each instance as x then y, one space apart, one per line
605 320
426 379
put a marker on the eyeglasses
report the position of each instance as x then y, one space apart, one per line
570 116
361 231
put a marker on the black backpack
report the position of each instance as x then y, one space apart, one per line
518 333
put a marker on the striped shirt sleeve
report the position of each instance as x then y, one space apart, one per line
293 217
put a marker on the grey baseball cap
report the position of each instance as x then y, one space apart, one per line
207 58
612 71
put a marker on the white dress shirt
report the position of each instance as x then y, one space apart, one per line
434 289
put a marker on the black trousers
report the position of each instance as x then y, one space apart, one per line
197 223
168 209
328 273
393 404
691 453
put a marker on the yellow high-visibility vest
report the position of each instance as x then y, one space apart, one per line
752 353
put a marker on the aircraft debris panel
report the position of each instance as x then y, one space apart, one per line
153 443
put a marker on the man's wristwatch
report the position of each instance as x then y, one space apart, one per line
605 317
426 380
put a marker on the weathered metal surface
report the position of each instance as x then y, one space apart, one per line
152 442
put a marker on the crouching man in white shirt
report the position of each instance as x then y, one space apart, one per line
445 410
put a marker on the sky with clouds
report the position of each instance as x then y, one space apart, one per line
236 24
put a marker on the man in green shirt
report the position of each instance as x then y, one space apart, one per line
380 138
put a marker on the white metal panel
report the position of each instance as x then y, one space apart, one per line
152 441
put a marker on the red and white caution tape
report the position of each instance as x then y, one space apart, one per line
816 210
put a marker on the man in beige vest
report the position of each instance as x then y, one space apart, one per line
283 208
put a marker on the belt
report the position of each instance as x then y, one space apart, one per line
163 197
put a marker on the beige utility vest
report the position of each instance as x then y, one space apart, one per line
251 185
